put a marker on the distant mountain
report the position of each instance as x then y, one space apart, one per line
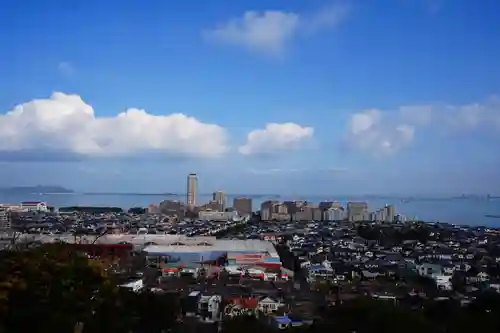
35 189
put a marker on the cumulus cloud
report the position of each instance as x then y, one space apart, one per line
368 131
275 138
270 31
65 123
385 132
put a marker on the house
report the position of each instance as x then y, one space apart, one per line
284 322
209 308
191 303
268 304
134 286
495 285
429 270
443 281
370 275
239 306
319 272
483 277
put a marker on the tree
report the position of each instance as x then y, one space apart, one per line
367 315
48 288
52 288
458 281
134 312
137 210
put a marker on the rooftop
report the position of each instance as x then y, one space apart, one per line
166 243
223 245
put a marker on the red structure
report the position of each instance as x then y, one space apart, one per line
111 251
244 302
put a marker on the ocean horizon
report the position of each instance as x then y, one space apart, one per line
464 211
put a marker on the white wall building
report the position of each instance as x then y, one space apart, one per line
5 222
209 308
34 206
334 214
211 215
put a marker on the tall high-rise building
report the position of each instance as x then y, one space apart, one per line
357 211
192 189
243 206
220 198
390 213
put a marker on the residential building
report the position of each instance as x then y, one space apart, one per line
220 198
334 214
390 213
294 206
268 304
5 221
153 209
211 205
209 308
357 211
280 212
305 213
210 215
243 206
192 189
429 270
317 214
325 205
172 208
379 215
266 210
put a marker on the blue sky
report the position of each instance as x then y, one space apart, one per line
275 96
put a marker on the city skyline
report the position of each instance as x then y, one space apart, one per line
285 97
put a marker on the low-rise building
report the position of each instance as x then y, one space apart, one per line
37 206
210 215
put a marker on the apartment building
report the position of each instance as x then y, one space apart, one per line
5 220
357 211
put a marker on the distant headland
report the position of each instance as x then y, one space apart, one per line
38 189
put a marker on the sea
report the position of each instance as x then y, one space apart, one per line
463 211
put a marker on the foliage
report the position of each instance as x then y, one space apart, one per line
134 312
48 288
90 209
137 210
53 289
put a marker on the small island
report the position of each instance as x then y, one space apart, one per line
38 189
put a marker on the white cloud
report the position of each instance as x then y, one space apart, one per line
276 137
270 171
370 132
382 132
66 123
295 171
471 116
330 16
270 31
65 68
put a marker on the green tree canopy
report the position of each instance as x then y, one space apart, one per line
48 288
